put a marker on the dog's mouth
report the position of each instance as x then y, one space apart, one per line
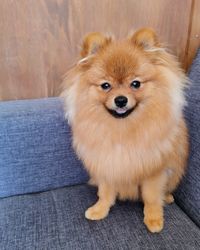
120 112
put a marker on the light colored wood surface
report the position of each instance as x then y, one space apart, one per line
194 35
40 39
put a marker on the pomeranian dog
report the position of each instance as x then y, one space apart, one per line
124 101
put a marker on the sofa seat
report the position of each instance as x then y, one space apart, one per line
55 220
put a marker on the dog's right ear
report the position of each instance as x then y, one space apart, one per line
93 42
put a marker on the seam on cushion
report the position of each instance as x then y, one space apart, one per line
42 191
58 219
184 212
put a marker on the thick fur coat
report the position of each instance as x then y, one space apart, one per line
139 150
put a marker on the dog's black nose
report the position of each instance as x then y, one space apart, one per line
121 101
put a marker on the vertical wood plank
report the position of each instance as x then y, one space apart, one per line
39 40
194 34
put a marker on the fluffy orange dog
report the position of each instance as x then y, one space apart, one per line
124 101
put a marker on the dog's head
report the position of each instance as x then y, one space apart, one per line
119 77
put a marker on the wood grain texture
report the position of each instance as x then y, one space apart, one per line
40 39
194 34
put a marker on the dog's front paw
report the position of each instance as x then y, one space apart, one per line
155 225
169 198
96 213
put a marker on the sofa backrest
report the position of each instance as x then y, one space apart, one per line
188 193
35 148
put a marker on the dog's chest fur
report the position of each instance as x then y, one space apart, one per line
119 158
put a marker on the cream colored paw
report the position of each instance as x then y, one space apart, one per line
96 213
169 198
154 225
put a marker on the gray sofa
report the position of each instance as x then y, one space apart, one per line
43 190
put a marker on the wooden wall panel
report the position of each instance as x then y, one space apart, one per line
194 34
40 39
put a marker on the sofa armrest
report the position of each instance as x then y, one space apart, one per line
35 148
188 194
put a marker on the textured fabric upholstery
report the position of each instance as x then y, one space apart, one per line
54 220
188 193
35 148
36 155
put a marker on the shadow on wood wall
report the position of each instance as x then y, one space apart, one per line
39 40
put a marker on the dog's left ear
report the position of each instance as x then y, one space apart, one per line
145 38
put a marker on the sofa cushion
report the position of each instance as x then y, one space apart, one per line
35 147
188 193
55 220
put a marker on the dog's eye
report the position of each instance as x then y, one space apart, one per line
105 86
135 84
